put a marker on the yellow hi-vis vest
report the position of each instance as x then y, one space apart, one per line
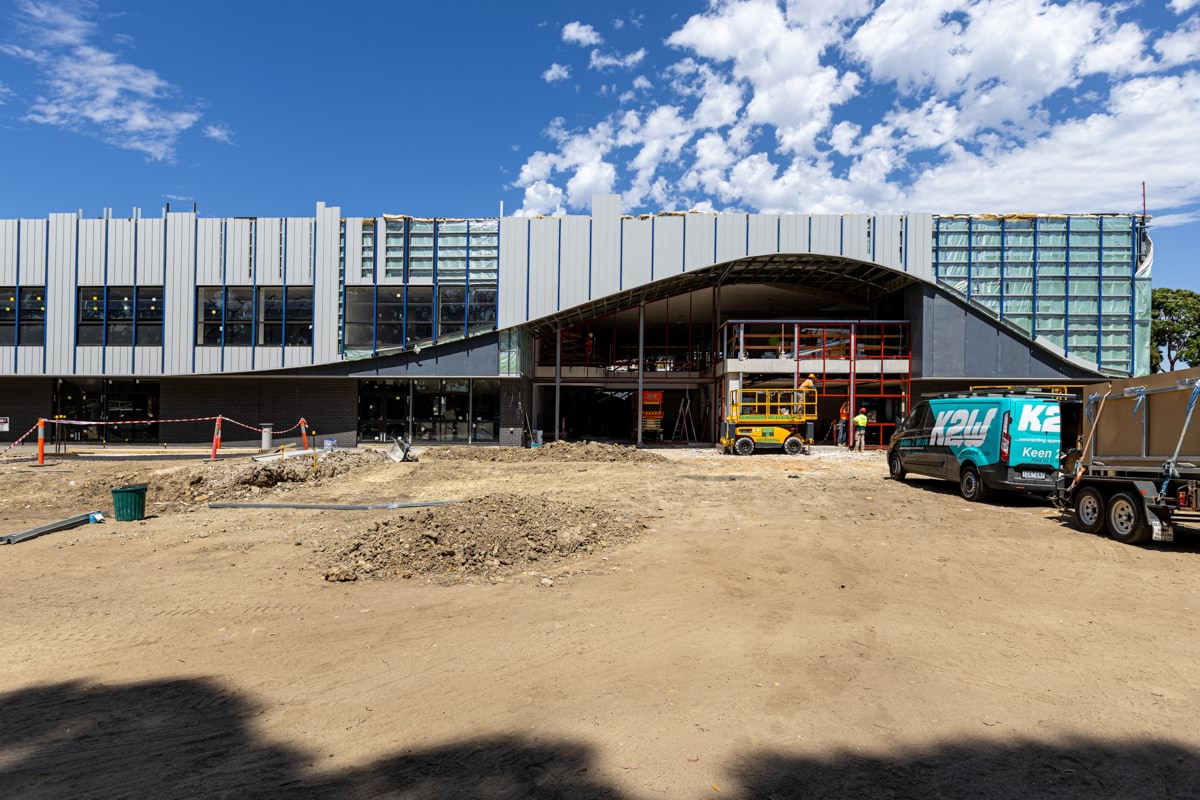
860 421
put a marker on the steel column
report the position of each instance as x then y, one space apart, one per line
557 383
641 366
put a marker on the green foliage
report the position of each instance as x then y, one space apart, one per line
1175 330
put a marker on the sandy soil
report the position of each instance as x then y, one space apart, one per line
783 627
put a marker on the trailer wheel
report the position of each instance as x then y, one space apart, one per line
1089 510
744 446
896 467
970 485
1126 519
793 446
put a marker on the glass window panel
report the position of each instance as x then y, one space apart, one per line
91 304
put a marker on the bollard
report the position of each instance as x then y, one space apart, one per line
41 442
304 432
267 430
216 445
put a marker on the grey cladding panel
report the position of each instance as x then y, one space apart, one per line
701 240
855 237
354 254
180 293
150 253
91 252
208 266
887 240
731 236
575 255
793 233
764 234
33 253
668 247
636 252
299 251
543 268
88 360
826 234
326 289
267 253
238 268
514 237
60 295
120 252
606 245
919 246
118 361
8 258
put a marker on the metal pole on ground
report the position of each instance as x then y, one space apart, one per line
641 365
41 442
557 383
268 430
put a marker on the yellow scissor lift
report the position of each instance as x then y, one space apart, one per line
769 418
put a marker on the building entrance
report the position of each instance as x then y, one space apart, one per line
101 399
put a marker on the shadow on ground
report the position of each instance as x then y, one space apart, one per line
194 738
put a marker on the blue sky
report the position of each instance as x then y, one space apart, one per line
449 109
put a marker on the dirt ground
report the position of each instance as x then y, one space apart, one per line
761 627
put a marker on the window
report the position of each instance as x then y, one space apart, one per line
296 329
22 315
8 315
224 315
393 249
481 310
149 315
452 310
420 250
119 324
420 313
239 316
360 312
89 329
390 305
210 315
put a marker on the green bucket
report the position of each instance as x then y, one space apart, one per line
129 502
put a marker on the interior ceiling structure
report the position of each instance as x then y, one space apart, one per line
859 282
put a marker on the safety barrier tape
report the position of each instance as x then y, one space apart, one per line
123 421
18 441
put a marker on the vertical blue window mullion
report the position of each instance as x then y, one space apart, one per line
589 254
558 269
283 314
467 284
499 220
652 232
341 288
374 285
1099 290
937 249
841 235
224 294
747 234
873 233
17 307
254 289
970 256
1036 259
46 297
1133 268
437 311
1067 293
404 300
621 256
104 296
75 322
162 367
904 244
195 280
312 303
1003 262
133 346
528 261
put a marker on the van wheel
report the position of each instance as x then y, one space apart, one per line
793 446
744 446
970 485
896 467
1089 510
1126 520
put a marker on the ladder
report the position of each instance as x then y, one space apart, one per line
685 429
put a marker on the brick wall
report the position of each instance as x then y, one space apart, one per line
514 395
330 405
23 401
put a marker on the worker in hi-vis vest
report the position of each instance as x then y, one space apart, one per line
860 430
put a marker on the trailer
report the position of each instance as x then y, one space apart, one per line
1136 474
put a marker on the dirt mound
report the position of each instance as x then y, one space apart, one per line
187 487
554 451
478 539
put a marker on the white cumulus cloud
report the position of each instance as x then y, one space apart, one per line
556 72
604 61
581 34
219 133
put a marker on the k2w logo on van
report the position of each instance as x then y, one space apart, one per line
1039 419
961 426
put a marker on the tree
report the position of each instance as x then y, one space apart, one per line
1175 329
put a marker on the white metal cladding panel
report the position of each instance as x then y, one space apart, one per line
207 360
354 254
606 246
731 236
238 359
60 295
793 233
887 240
918 246
635 259
668 247
33 252
855 236
543 267
764 234
179 307
148 360
298 356
826 234
118 360
87 360
268 265
8 258
701 240
208 253
326 288
514 237
150 252
91 253
29 360
575 257
120 252
8 364
239 270
268 358
299 251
